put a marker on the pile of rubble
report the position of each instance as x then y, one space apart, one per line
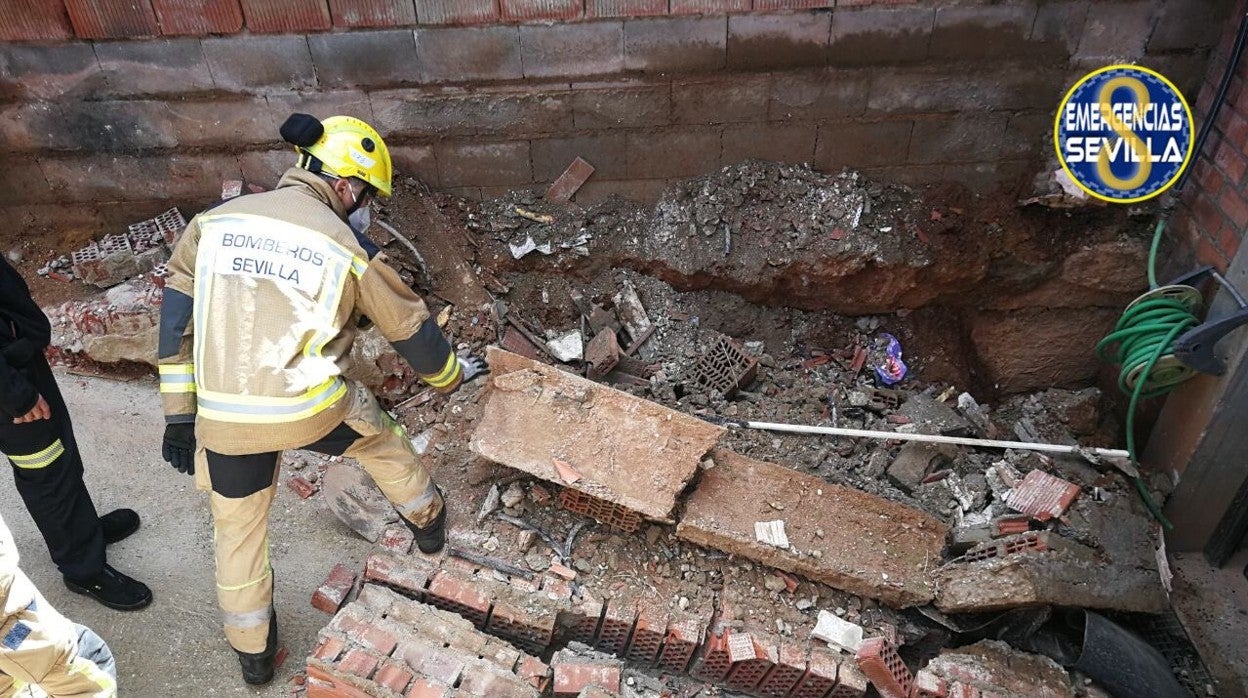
614 528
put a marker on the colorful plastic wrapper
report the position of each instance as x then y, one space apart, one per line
887 361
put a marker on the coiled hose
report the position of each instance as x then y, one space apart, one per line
1143 344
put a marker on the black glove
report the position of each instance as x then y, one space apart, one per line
179 447
473 366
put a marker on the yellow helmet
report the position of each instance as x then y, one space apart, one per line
348 147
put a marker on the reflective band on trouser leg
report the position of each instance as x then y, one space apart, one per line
226 407
93 673
41 459
448 375
244 575
396 468
177 378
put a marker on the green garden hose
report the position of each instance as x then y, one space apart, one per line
1143 344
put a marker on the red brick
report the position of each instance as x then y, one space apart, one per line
534 672
648 634
751 661
333 591
112 19
38 20
1229 239
708 7
714 663
1232 204
617 626
324 686
625 8
1205 214
456 594
401 575
456 11
358 662
372 13
879 661
379 639
791 4
424 689
582 621
397 540
286 16
1208 177
1208 253
569 182
393 676
198 17
1231 162
301 486
570 679
530 629
850 682
679 644
526 10
820 676
329 649
789 669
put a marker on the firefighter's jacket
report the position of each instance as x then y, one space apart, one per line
39 646
24 333
262 302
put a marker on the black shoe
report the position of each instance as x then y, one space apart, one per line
118 524
113 589
258 668
431 538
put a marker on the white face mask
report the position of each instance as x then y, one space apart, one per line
360 219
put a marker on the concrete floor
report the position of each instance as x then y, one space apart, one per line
175 647
1213 606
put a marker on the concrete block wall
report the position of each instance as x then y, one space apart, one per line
112 108
1208 225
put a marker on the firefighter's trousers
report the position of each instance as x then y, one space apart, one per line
242 490
47 470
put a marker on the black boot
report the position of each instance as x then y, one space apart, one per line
258 668
113 589
118 524
431 538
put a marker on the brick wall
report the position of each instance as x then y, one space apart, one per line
1209 223
113 109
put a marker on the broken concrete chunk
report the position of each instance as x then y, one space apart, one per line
870 546
625 450
629 309
915 460
839 633
930 416
771 533
993 666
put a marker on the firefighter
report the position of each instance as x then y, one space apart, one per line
37 436
262 304
42 653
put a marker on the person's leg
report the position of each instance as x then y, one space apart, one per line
385 451
47 470
242 493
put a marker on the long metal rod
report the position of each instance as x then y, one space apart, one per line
929 438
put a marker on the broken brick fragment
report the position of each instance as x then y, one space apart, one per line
571 679
334 590
929 685
302 486
879 661
566 186
1042 496
396 540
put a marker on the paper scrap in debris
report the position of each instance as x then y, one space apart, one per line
772 533
568 347
838 633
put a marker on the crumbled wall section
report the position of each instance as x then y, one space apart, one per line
535 414
840 536
644 92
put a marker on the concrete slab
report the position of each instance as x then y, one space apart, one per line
626 450
840 536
